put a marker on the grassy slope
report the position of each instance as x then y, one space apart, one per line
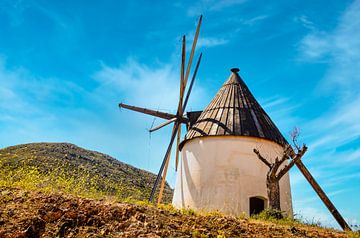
68 168
34 214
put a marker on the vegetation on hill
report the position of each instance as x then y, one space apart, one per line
61 190
64 167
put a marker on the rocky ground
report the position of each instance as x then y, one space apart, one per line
36 214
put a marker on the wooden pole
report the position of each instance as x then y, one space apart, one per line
163 181
322 196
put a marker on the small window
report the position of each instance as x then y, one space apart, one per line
257 205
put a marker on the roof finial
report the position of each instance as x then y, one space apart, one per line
235 70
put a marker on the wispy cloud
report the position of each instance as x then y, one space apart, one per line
330 134
273 101
305 22
38 109
254 20
156 87
315 46
338 125
342 45
282 111
211 6
211 42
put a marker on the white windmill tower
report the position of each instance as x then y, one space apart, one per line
219 170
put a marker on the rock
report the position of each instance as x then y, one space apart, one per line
67 224
35 229
140 216
11 212
70 214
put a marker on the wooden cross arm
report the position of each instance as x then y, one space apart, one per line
262 158
163 115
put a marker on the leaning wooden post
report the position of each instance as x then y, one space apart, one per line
322 195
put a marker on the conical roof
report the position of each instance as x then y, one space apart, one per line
235 112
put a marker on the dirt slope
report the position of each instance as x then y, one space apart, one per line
35 214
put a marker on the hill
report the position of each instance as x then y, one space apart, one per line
61 190
35 214
54 167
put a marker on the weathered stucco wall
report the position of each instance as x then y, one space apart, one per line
222 173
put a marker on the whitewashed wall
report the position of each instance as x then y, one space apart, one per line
222 173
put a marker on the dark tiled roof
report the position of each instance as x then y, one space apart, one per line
234 111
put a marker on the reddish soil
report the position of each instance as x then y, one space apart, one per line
35 214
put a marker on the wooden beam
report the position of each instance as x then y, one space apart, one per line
322 195
176 126
163 181
192 51
182 89
177 148
293 161
163 115
163 124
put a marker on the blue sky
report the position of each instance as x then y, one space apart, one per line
65 65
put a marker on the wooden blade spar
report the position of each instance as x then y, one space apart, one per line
182 89
163 180
182 71
163 124
184 106
177 148
163 115
183 82
192 82
151 199
192 51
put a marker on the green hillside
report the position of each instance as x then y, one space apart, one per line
64 167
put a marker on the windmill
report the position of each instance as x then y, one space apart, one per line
177 119
219 170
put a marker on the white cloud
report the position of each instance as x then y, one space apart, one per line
204 41
254 20
135 83
36 109
305 22
210 42
338 126
155 87
343 47
273 101
330 134
315 46
212 6
31 106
